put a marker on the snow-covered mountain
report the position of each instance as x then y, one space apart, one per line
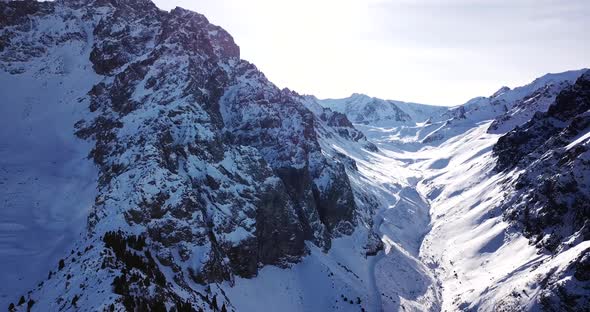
146 167
495 218
410 125
363 109
547 162
200 171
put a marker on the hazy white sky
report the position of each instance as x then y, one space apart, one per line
429 51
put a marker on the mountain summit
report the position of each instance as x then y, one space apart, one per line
146 167
206 170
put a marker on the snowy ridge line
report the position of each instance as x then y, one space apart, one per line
186 181
478 257
218 173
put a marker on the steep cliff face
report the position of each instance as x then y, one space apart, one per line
549 200
199 185
207 171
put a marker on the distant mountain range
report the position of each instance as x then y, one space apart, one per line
363 109
144 166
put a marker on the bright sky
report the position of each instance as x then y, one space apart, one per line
411 50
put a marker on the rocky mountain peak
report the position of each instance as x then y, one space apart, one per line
210 165
501 91
572 101
145 167
195 28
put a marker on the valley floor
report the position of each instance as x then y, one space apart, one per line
435 189
427 223
447 247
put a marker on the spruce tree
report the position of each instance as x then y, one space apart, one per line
75 300
30 304
214 302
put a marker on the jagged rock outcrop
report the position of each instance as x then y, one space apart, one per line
217 170
524 109
549 159
331 124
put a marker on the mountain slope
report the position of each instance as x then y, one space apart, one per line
506 211
47 185
509 108
204 176
410 125
550 198
147 167
509 227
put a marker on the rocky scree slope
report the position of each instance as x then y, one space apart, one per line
206 170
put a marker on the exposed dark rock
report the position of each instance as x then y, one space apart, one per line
550 204
552 201
206 169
